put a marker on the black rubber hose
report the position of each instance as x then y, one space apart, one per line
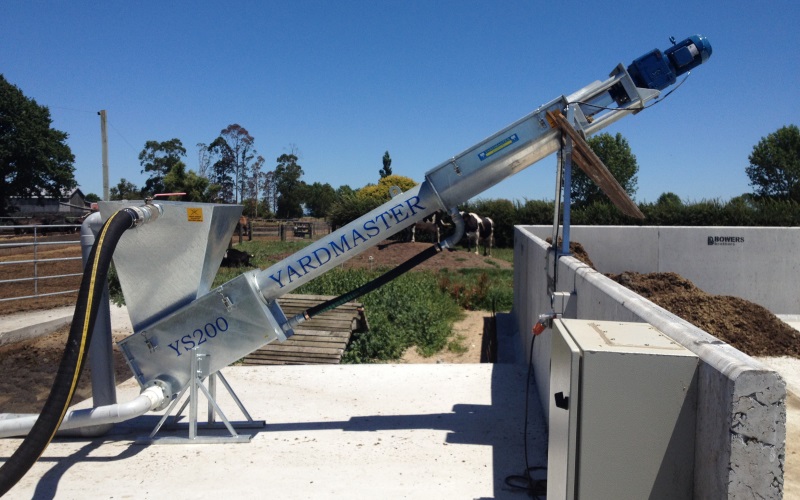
69 371
374 284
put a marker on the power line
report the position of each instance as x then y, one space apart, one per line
123 137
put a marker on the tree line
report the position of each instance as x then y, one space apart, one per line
230 170
35 159
668 210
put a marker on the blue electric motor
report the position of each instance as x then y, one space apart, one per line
658 70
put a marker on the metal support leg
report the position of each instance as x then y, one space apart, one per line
197 367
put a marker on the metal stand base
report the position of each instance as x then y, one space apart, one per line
198 362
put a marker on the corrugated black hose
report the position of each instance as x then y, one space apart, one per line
72 361
372 285
386 277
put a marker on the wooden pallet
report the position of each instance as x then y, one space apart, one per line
320 340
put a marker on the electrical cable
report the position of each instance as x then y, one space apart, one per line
72 361
384 278
636 109
536 488
370 286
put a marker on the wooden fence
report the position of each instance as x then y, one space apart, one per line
282 230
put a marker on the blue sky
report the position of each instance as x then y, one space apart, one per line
342 82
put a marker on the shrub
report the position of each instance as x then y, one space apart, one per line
410 310
475 289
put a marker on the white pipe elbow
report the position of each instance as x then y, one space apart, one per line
150 399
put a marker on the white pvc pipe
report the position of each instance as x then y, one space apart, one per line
150 399
454 238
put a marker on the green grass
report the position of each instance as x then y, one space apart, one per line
409 311
506 254
457 345
265 253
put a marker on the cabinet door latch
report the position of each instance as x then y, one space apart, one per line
562 401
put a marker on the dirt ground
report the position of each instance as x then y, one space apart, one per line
391 253
469 332
28 369
54 263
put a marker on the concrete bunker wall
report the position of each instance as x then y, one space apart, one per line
753 263
741 408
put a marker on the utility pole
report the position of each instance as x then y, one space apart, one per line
104 140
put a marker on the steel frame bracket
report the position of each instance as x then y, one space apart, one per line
198 370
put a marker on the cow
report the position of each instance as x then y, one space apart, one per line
243 229
430 228
235 258
478 229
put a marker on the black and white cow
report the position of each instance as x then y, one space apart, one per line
478 229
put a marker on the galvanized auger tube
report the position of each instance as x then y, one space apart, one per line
44 429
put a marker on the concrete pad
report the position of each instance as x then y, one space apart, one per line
345 431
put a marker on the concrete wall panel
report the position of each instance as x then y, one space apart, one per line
614 249
741 422
759 264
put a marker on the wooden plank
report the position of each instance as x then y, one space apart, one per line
339 319
299 361
313 342
317 338
317 353
323 323
334 313
328 316
317 298
334 326
346 318
321 340
588 161
299 357
321 333
281 355
305 350
296 303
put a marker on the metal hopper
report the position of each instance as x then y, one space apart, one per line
163 267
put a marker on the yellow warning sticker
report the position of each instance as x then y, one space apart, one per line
194 214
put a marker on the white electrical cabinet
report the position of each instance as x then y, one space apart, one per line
621 413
